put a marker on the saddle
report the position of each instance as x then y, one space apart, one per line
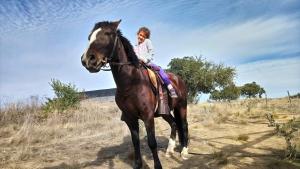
162 105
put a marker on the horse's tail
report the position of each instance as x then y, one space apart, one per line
180 113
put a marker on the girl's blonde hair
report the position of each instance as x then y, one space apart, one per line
146 31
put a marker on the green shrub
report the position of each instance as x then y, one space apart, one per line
66 96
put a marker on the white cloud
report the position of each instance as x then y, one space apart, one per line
231 43
58 36
276 76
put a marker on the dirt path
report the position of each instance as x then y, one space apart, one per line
216 141
210 147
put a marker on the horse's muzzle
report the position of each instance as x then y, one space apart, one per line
90 65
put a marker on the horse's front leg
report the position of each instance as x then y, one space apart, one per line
150 128
133 126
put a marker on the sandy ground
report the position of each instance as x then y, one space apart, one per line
219 141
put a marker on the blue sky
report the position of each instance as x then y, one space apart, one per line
42 39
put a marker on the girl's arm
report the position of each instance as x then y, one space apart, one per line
150 49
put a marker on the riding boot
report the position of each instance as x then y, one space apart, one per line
172 91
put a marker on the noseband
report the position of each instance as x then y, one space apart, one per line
111 56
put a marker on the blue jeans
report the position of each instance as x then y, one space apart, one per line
161 73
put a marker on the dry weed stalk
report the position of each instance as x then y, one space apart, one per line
286 130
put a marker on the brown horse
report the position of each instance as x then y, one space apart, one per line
135 96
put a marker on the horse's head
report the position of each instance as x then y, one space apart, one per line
102 43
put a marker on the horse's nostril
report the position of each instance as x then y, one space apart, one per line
92 57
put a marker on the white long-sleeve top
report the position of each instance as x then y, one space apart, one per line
144 51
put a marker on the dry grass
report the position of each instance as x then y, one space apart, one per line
94 136
28 137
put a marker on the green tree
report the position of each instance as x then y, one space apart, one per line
200 75
195 72
215 95
228 93
261 91
223 76
67 96
250 89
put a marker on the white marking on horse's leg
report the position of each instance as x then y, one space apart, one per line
94 35
184 153
171 146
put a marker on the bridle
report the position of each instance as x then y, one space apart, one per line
111 56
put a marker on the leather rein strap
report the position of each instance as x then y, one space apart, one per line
112 55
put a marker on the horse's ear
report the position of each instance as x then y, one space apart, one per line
116 24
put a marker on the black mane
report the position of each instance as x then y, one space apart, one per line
128 49
126 43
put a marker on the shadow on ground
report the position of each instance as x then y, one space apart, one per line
123 152
231 154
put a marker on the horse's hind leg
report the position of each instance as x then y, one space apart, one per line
180 114
171 145
133 126
149 124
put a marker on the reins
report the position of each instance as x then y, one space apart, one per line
111 57
114 63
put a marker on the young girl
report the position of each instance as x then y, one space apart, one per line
144 51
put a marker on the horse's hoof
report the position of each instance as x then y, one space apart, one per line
184 153
169 151
137 165
157 166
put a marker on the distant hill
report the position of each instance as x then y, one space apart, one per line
103 93
295 96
